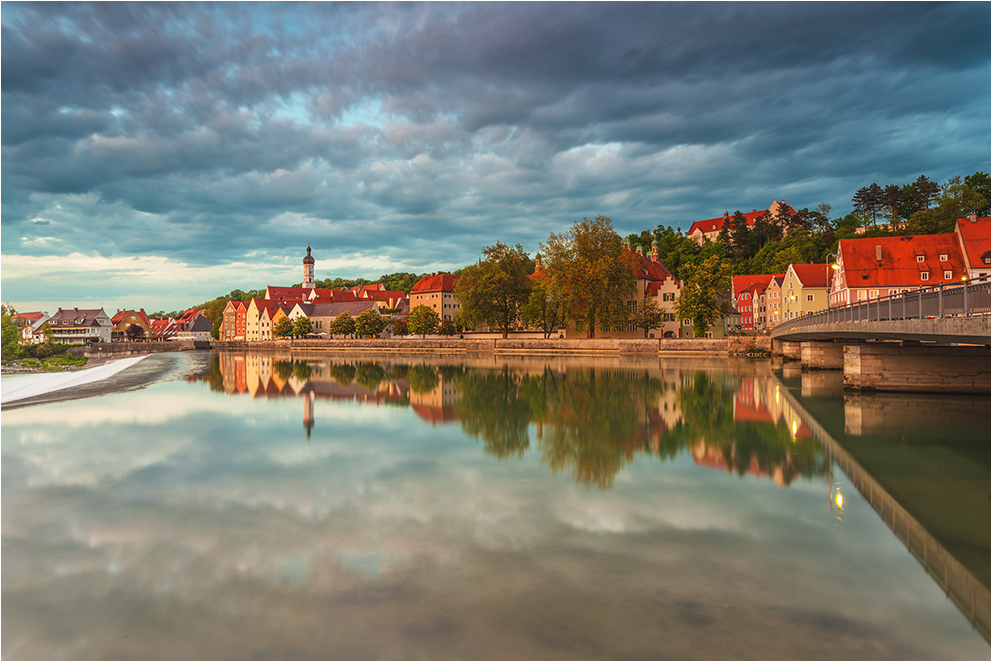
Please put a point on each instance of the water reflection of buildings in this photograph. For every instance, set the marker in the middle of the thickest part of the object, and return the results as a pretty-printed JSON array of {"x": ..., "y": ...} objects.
[{"x": 258, "y": 375}]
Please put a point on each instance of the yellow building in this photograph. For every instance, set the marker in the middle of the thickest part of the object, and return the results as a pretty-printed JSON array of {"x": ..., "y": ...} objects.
[{"x": 804, "y": 290}]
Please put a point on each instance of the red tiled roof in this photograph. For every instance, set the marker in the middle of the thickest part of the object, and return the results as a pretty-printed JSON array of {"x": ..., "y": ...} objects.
[
  {"x": 811, "y": 275},
  {"x": 645, "y": 268},
  {"x": 975, "y": 238},
  {"x": 744, "y": 282},
  {"x": 436, "y": 283},
  {"x": 899, "y": 266},
  {"x": 30, "y": 317}
]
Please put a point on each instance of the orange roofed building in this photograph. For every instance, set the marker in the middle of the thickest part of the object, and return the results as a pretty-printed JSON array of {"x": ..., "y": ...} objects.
[
  {"x": 711, "y": 227},
  {"x": 437, "y": 292},
  {"x": 973, "y": 239},
  {"x": 882, "y": 266}
]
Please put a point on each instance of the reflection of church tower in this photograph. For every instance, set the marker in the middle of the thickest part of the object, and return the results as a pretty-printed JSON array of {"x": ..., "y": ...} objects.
[
  {"x": 308, "y": 399},
  {"x": 308, "y": 261}
]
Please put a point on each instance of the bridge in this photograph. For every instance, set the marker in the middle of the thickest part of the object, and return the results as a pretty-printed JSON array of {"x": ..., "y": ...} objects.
[{"x": 943, "y": 333}]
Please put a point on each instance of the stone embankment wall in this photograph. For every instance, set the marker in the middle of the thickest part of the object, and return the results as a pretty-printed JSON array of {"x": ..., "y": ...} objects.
[
  {"x": 735, "y": 346},
  {"x": 122, "y": 349},
  {"x": 455, "y": 345}
]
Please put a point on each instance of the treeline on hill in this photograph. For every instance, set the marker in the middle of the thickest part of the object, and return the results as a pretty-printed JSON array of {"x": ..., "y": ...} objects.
[{"x": 773, "y": 243}]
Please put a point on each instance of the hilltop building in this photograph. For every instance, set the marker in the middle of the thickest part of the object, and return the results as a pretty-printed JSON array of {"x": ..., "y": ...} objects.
[{"x": 710, "y": 228}]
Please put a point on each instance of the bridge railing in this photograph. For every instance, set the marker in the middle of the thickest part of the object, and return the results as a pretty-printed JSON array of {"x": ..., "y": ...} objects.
[{"x": 967, "y": 299}]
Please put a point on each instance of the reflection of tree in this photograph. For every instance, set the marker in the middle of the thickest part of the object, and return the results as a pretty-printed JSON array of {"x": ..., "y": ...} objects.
[
  {"x": 422, "y": 378},
  {"x": 284, "y": 369},
  {"x": 491, "y": 408},
  {"x": 301, "y": 371},
  {"x": 216, "y": 378},
  {"x": 593, "y": 422},
  {"x": 343, "y": 374},
  {"x": 369, "y": 375}
]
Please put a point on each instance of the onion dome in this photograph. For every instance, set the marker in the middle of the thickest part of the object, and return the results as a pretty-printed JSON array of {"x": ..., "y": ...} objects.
[{"x": 309, "y": 258}]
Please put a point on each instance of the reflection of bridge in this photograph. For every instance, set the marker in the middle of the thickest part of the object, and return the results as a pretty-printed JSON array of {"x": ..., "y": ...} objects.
[{"x": 966, "y": 591}]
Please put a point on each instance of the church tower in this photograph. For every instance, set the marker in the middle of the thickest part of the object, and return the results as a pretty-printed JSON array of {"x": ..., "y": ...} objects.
[{"x": 308, "y": 261}]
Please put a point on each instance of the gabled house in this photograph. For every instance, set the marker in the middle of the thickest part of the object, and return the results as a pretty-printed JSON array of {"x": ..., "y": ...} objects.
[
  {"x": 30, "y": 326},
  {"x": 80, "y": 326},
  {"x": 973, "y": 240},
  {"x": 196, "y": 327},
  {"x": 747, "y": 292},
  {"x": 322, "y": 315},
  {"x": 804, "y": 290},
  {"x": 123, "y": 319},
  {"x": 232, "y": 328},
  {"x": 881, "y": 266},
  {"x": 164, "y": 328}
]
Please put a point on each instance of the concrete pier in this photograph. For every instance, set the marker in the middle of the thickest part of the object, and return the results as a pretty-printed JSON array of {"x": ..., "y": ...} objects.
[
  {"x": 929, "y": 369},
  {"x": 822, "y": 355}
]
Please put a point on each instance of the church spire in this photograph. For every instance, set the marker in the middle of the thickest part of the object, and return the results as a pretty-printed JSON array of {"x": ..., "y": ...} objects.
[{"x": 308, "y": 261}]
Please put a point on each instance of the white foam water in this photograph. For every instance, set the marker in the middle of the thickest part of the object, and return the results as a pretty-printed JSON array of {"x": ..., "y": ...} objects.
[{"x": 20, "y": 387}]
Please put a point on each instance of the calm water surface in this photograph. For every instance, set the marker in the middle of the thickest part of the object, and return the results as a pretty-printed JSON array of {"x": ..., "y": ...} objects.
[{"x": 262, "y": 506}]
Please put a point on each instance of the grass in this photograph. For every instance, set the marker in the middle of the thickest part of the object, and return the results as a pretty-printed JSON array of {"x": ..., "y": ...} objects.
[{"x": 54, "y": 363}]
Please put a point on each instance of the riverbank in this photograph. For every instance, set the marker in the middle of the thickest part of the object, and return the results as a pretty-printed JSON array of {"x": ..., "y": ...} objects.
[
  {"x": 49, "y": 364},
  {"x": 28, "y": 386}
]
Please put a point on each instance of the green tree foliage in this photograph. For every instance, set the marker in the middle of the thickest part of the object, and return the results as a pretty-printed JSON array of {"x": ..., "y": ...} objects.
[
  {"x": 491, "y": 408},
  {"x": 302, "y": 326},
  {"x": 590, "y": 272},
  {"x": 545, "y": 308},
  {"x": 699, "y": 300},
  {"x": 370, "y": 375},
  {"x": 343, "y": 324},
  {"x": 422, "y": 320},
  {"x": 423, "y": 378},
  {"x": 648, "y": 315},
  {"x": 370, "y": 323},
  {"x": 399, "y": 328},
  {"x": 492, "y": 292},
  {"x": 283, "y": 328},
  {"x": 343, "y": 374},
  {"x": 447, "y": 328},
  {"x": 10, "y": 334}
]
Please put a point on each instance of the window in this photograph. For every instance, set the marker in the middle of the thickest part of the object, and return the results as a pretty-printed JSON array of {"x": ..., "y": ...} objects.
[
  {"x": 948, "y": 275},
  {"x": 943, "y": 257},
  {"x": 921, "y": 258},
  {"x": 686, "y": 322},
  {"x": 872, "y": 294},
  {"x": 809, "y": 297},
  {"x": 924, "y": 275}
]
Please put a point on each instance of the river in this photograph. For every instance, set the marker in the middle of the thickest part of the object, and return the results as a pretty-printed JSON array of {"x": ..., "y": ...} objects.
[{"x": 253, "y": 505}]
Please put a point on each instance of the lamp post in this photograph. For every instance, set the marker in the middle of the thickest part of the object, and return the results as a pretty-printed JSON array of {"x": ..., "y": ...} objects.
[{"x": 831, "y": 260}]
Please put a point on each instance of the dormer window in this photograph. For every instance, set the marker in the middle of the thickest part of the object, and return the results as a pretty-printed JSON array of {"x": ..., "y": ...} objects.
[
  {"x": 948, "y": 275},
  {"x": 921, "y": 258},
  {"x": 924, "y": 275},
  {"x": 943, "y": 257}
]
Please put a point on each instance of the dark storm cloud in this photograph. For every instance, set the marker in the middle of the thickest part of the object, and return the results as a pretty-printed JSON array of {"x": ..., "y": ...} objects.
[{"x": 206, "y": 132}]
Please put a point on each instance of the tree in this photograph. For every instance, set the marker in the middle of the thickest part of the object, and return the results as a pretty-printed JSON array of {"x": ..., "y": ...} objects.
[
  {"x": 492, "y": 291},
  {"x": 648, "y": 315},
  {"x": 11, "y": 336},
  {"x": 399, "y": 328},
  {"x": 302, "y": 326},
  {"x": 284, "y": 327},
  {"x": 545, "y": 308},
  {"x": 134, "y": 333},
  {"x": 422, "y": 320},
  {"x": 343, "y": 324},
  {"x": 446, "y": 328},
  {"x": 868, "y": 201},
  {"x": 370, "y": 323},
  {"x": 699, "y": 299},
  {"x": 590, "y": 271}
]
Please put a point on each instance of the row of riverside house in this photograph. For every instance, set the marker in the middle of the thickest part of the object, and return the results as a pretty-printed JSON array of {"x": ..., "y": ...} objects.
[
  {"x": 865, "y": 268},
  {"x": 88, "y": 325},
  {"x": 255, "y": 320}
]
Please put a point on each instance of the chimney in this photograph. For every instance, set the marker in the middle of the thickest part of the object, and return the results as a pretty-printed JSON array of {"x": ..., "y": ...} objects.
[{"x": 878, "y": 254}]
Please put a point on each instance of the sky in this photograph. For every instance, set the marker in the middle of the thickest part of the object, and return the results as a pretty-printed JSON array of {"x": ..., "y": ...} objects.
[{"x": 159, "y": 155}]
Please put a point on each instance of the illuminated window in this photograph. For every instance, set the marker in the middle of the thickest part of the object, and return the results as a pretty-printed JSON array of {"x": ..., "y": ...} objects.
[
  {"x": 948, "y": 275},
  {"x": 943, "y": 257},
  {"x": 924, "y": 275}
]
